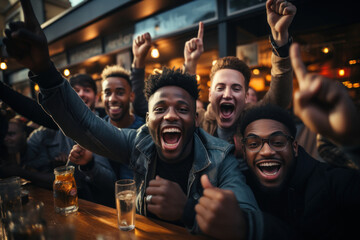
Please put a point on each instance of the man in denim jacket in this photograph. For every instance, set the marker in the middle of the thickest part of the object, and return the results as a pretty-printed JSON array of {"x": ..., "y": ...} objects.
[{"x": 168, "y": 155}]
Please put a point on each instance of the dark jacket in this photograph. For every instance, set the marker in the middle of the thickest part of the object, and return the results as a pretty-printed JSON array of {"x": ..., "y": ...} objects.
[
  {"x": 319, "y": 202},
  {"x": 212, "y": 156}
]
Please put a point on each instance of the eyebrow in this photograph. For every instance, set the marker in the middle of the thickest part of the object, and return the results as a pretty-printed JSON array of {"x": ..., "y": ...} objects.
[
  {"x": 177, "y": 102},
  {"x": 272, "y": 134}
]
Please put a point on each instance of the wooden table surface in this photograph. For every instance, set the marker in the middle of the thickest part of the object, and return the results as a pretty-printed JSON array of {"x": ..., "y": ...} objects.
[{"x": 94, "y": 221}]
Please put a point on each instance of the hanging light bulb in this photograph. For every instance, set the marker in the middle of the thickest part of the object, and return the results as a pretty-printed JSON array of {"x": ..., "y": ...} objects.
[
  {"x": 3, "y": 65},
  {"x": 66, "y": 72},
  {"x": 155, "y": 52}
]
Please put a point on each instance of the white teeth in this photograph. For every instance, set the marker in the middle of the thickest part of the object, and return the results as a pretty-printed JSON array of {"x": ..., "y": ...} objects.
[
  {"x": 269, "y": 164},
  {"x": 171, "y": 130},
  {"x": 114, "y": 107},
  {"x": 270, "y": 174},
  {"x": 170, "y": 144}
]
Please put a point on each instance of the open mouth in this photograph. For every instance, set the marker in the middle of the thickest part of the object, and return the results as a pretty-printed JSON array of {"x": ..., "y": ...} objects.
[
  {"x": 269, "y": 169},
  {"x": 170, "y": 138},
  {"x": 226, "y": 110},
  {"x": 115, "y": 109}
]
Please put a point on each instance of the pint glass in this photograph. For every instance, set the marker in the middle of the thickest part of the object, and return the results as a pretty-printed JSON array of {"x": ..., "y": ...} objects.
[
  {"x": 65, "y": 191},
  {"x": 125, "y": 195}
]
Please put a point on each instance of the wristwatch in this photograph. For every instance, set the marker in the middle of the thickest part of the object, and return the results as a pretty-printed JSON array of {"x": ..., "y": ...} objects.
[{"x": 282, "y": 51}]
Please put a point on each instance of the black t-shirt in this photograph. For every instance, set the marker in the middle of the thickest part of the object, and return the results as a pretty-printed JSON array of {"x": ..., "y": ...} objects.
[{"x": 175, "y": 172}]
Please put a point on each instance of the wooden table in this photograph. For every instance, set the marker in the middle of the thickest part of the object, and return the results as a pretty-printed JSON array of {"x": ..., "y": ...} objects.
[{"x": 95, "y": 221}]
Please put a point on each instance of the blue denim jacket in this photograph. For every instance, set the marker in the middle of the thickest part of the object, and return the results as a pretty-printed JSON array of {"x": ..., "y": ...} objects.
[{"x": 212, "y": 156}]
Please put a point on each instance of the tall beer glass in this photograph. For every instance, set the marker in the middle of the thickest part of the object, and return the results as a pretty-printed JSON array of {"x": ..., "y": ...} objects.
[{"x": 125, "y": 195}]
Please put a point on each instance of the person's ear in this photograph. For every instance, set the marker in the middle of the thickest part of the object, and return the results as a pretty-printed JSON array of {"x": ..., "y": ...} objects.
[
  {"x": 197, "y": 124},
  {"x": 132, "y": 96},
  {"x": 209, "y": 94},
  {"x": 147, "y": 118},
  {"x": 295, "y": 147}
]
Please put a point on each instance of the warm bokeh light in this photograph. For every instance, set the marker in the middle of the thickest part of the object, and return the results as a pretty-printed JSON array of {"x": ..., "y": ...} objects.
[
  {"x": 214, "y": 62},
  {"x": 3, "y": 65},
  {"x": 66, "y": 72},
  {"x": 341, "y": 72},
  {"x": 257, "y": 83},
  {"x": 268, "y": 77},
  {"x": 350, "y": 85},
  {"x": 352, "y": 62},
  {"x": 155, "y": 53},
  {"x": 356, "y": 85},
  {"x": 325, "y": 50},
  {"x": 208, "y": 84},
  {"x": 256, "y": 71},
  {"x": 156, "y": 70},
  {"x": 198, "y": 78},
  {"x": 36, "y": 87}
]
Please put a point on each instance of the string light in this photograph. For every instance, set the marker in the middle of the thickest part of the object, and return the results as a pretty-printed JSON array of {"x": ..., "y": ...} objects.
[
  {"x": 155, "y": 52},
  {"x": 66, "y": 72},
  {"x": 3, "y": 65}
]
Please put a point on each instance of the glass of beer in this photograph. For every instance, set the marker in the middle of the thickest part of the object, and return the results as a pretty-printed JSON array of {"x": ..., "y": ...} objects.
[
  {"x": 125, "y": 195},
  {"x": 65, "y": 191}
]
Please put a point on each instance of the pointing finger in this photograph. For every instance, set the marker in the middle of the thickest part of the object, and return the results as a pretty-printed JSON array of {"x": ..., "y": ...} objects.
[
  {"x": 298, "y": 65},
  {"x": 201, "y": 30},
  {"x": 29, "y": 15}
]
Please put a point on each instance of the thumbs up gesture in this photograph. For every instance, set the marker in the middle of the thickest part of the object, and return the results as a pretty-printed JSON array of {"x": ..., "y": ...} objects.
[
  {"x": 218, "y": 213},
  {"x": 26, "y": 41}
]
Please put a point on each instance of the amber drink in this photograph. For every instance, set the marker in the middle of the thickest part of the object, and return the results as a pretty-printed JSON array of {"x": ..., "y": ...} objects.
[{"x": 65, "y": 191}]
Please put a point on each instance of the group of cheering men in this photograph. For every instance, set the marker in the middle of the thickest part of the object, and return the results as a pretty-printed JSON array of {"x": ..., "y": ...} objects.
[{"x": 231, "y": 171}]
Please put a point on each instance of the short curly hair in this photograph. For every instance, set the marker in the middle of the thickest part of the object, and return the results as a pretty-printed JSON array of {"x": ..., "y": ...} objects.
[
  {"x": 234, "y": 63},
  {"x": 171, "y": 77},
  {"x": 116, "y": 71}
]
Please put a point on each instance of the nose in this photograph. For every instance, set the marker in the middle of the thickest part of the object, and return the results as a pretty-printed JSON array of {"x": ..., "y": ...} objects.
[
  {"x": 81, "y": 93},
  {"x": 227, "y": 93},
  {"x": 266, "y": 150},
  {"x": 171, "y": 115},
  {"x": 111, "y": 98}
]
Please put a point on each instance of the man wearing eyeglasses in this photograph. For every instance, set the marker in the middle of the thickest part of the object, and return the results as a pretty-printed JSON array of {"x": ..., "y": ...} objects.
[{"x": 299, "y": 196}]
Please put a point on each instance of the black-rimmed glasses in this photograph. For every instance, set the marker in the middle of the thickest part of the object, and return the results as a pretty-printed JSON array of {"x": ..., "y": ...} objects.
[{"x": 277, "y": 142}]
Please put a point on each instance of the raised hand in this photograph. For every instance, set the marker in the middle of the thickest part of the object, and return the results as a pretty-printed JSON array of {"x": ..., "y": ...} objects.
[
  {"x": 26, "y": 42},
  {"x": 168, "y": 199},
  {"x": 218, "y": 213},
  {"x": 141, "y": 46},
  {"x": 80, "y": 155},
  {"x": 280, "y": 14},
  {"x": 193, "y": 50},
  {"x": 323, "y": 104}
]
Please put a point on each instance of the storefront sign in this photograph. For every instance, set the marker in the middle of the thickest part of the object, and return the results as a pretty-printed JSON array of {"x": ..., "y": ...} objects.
[
  {"x": 85, "y": 51},
  {"x": 119, "y": 40},
  {"x": 178, "y": 18}
]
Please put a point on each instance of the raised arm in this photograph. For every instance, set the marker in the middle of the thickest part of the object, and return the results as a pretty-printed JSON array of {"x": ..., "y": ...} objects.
[
  {"x": 58, "y": 98},
  {"x": 140, "y": 48},
  {"x": 324, "y": 105},
  {"x": 193, "y": 50},
  {"x": 280, "y": 14},
  {"x": 26, "y": 107}
]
